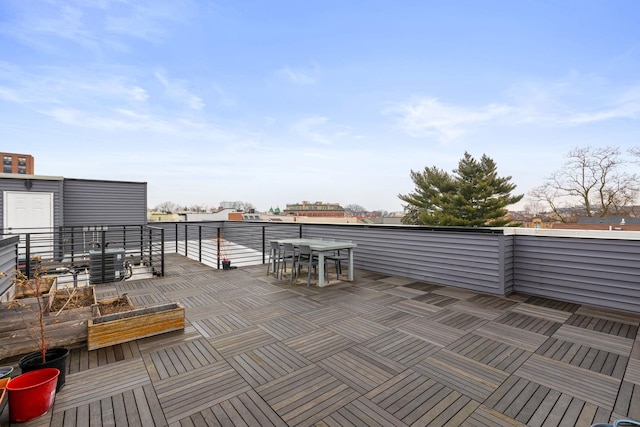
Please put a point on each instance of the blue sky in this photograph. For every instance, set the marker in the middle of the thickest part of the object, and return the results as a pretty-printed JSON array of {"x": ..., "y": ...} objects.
[{"x": 276, "y": 102}]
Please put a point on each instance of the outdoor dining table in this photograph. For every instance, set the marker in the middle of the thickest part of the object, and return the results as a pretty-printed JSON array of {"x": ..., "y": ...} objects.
[{"x": 322, "y": 247}]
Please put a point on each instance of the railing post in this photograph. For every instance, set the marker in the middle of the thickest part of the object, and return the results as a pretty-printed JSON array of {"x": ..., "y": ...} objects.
[
  {"x": 103, "y": 247},
  {"x": 300, "y": 232},
  {"x": 162, "y": 252},
  {"x": 186, "y": 240},
  {"x": 218, "y": 246},
  {"x": 176, "y": 237},
  {"x": 199, "y": 243},
  {"x": 264, "y": 244},
  {"x": 142, "y": 243},
  {"x": 27, "y": 261}
]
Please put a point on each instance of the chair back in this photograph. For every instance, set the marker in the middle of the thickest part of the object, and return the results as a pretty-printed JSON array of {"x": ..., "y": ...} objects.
[
  {"x": 305, "y": 250},
  {"x": 275, "y": 245}
]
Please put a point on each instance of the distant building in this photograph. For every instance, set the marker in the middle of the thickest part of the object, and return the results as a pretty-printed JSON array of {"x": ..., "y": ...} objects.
[
  {"x": 317, "y": 209},
  {"x": 17, "y": 163}
]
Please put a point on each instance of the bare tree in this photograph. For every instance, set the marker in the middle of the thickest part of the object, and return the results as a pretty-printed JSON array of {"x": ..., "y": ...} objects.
[
  {"x": 198, "y": 208},
  {"x": 167, "y": 207},
  {"x": 593, "y": 182},
  {"x": 355, "y": 210}
]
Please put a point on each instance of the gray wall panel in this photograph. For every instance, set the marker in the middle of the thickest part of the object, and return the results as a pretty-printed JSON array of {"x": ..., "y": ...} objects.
[
  {"x": 594, "y": 271},
  {"x": 8, "y": 264},
  {"x": 91, "y": 202}
]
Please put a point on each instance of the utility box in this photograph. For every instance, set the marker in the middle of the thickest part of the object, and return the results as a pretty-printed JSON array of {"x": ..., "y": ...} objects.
[{"x": 113, "y": 265}]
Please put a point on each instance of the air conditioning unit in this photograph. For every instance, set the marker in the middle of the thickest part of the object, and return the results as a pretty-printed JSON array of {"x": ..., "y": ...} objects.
[{"x": 113, "y": 265}]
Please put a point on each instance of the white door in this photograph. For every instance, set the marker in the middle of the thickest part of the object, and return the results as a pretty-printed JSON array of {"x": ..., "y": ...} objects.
[{"x": 30, "y": 212}]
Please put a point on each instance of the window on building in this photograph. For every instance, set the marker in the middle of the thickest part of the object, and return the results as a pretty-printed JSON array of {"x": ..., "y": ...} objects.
[
  {"x": 22, "y": 169},
  {"x": 7, "y": 169},
  {"x": 8, "y": 160},
  {"x": 22, "y": 161}
]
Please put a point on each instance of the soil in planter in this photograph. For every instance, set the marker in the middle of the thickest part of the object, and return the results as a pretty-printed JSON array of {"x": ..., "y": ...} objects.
[
  {"x": 115, "y": 306},
  {"x": 77, "y": 299}
]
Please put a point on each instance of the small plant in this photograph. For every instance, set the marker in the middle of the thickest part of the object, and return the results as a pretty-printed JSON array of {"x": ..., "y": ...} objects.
[{"x": 38, "y": 287}]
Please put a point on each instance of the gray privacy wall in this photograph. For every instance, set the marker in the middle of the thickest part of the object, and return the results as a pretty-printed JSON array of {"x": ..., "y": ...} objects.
[
  {"x": 597, "y": 268},
  {"x": 8, "y": 263},
  {"x": 95, "y": 202}
]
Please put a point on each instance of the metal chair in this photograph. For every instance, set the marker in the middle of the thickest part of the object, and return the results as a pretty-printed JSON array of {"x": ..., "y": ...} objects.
[
  {"x": 275, "y": 256},
  {"x": 306, "y": 257},
  {"x": 338, "y": 258},
  {"x": 288, "y": 253}
]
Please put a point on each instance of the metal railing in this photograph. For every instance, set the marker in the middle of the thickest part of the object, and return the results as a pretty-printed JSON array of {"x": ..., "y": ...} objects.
[{"x": 71, "y": 249}]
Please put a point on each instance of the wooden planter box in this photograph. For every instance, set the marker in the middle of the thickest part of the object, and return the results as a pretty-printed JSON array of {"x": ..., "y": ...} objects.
[{"x": 117, "y": 328}]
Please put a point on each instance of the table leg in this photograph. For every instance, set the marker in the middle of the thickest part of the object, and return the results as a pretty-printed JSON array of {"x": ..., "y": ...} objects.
[
  {"x": 320, "y": 269},
  {"x": 351, "y": 264}
]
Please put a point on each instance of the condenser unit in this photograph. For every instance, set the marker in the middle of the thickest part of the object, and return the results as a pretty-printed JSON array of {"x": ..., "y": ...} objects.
[{"x": 113, "y": 265}]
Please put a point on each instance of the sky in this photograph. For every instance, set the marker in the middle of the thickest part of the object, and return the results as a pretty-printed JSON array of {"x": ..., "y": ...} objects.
[{"x": 282, "y": 101}]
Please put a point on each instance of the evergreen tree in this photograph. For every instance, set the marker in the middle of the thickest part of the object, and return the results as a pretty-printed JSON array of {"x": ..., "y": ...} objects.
[{"x": 473, "y": 195}]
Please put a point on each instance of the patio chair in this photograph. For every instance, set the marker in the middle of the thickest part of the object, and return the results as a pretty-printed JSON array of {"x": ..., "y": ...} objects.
[
  {"x": 338, "y": 258},
  {"x": 275, "y": 256},
  {"x": 307, "y": 257},
  {"x": 288, "y": 253}
]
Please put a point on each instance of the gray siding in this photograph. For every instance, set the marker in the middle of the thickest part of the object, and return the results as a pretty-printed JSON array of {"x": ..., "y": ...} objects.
[
  {"x": 54, "y": 186},
  {"x": 469, "y": 259},
  {"x": 602, "y": 272},
  {"x": 91, "y": 202},
  {"x": 8, "y": 262}
]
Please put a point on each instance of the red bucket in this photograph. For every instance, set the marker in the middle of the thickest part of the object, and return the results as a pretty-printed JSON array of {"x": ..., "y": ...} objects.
[{"x": 32, "y": 394}]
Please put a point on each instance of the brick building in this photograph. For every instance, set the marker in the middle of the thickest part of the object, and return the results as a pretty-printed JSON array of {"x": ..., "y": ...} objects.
[{"x": 17, "y": 163}]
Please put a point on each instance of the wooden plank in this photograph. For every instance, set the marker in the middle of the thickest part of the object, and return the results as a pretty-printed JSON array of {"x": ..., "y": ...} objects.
[{"x": 578, "y": 382}]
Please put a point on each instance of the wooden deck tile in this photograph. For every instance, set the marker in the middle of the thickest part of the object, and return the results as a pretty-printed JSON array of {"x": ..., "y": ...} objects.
[
  {"x": 175, "y": 360},
  {"x": 326, "y": 315},
  {"x": 529, "y": 323},
  {"x": 432, "y": 332},
  {"x": 319, "y": 344},
  {"x": 471, "y": 378},
  {"x": 242, "y": 340},
  {"x": 418, "y": 400},
  {"x": 220, "y": 324},
  {"x": 286, "y": 327},
  {"x": 306, "y": 396},
  {"x": 357, "y": 329},
  {"x": 196, "y": 390},
  {"x": 455, "y": 319},
  {"x": 487, "y": 417},
  {"x": 268, "y": 363},
  {"x": 589, "y": 386},
  {"x": 599, "y": 340},
  {"x": 361, "y": 412},
  {"x": 402, "y": 348},
  {"x": 475, "y": 309},
  {"x": 417, "y": 308},
  {"x": 298, "y": 304},
  {"x": 360, "y": 368},
  {"x": 405, "y": 292},
  {"x": 511, "y": 335},
  {"x": 246, "y": 409},
  {"x": 586, "y": 357},
  {"x": 101, "y": 382},
  {"x": 388, "y": 316},
  {"x": 490, "y": 352},
  {"x": 542, "y": 312}
]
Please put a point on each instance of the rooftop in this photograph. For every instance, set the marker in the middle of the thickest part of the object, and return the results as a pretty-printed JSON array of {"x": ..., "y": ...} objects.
[{"x": 381, "y": 350}]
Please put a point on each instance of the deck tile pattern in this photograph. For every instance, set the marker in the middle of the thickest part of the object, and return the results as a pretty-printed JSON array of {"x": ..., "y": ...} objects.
[{"x": 381, "y": 351}]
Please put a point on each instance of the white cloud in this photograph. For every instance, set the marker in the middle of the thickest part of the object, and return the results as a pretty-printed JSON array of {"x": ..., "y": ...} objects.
[
  {"x": 299, "y": 76},
  {"x": 421, "y": 117},
  {"x": 176, "y": 89},
  {"x": 310, "y": 128}
]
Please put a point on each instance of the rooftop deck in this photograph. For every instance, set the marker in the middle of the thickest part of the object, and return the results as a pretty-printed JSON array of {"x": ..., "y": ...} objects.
[{"x": 382, "y": 350}]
